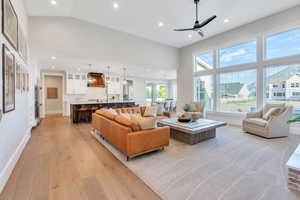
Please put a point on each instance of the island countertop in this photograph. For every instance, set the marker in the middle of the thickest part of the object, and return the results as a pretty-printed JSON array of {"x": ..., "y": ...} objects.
[
  {"x": 95, "y": 102},
  {"x": 81, "y": 111}
]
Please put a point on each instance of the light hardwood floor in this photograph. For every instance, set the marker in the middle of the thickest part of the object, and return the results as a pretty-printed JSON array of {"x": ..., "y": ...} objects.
[{"x": 63, "y": 161}]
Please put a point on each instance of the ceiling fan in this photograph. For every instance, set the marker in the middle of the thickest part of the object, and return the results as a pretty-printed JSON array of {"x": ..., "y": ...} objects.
[{"x": 197, "y": 27}]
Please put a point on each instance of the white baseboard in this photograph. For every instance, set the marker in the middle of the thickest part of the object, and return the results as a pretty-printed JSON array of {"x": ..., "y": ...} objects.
[{"x": 9, "y": 167}]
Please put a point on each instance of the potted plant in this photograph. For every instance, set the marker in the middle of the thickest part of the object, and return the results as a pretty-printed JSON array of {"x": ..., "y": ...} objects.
[
  {"x": 297, "y": 119},
  {"x": 187, "y": 107}
]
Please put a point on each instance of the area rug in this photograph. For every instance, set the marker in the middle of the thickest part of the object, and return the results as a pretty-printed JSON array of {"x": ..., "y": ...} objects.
[{"x": 233, "y": 166}]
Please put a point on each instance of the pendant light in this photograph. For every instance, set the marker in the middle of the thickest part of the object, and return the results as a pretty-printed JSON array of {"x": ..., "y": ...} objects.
[
  {"x": 108, "y": 75},
  {"x": 124, "y": 77}
]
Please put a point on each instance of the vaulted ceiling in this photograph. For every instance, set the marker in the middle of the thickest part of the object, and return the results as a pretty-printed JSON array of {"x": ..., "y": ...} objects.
[{"x": 141, "y": 17}]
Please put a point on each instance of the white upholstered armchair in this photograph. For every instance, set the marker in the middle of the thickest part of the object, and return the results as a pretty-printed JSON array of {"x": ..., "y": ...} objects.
[
  {"x": 272, "y": 126},
  {"x": 199, "y": 108}
]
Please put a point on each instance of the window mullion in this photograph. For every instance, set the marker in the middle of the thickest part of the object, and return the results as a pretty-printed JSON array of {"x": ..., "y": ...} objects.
[{"x": 260, "y": 73}]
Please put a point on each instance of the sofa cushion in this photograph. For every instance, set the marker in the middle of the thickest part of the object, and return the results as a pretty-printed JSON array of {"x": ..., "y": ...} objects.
[
  {"x": 257, "y": 121},
  {"x": 151, "y": 111},
  {"x": 145, "y": 123},
  {"x": 272, "y": 112},
  {"x": 268, "y": 106},
  {"x": 106, "y": 114},
  {"x": 127, "y": 122}
]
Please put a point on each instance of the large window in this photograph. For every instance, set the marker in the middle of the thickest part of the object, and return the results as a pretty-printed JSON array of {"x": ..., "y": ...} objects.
[
  {"x": 239, "y": 54},
  {"x": 156, "y": 92},
  {"x": 286, "y": 78},
  {"x": 247, "y": 75},
  {"x": 204, "y": 90},
  {"x": 237, "y": 91},
  {"x": 204, "y": 62},
  {"x": 283, "y": 44}
]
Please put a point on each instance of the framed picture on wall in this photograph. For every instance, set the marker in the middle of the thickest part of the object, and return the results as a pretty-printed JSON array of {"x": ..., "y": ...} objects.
[
  {"x": 10, "y": 23},
  {"x": 18, "y": 76},
  {"x": 27, "y": 81},
  {"x": 23, "y": 79},
  {"x": 8, "y": 76},
  {"x": 22, "y": 44}
]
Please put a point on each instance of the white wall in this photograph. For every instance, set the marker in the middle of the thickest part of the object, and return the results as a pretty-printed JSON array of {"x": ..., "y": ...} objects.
[
  {"x": 272, "y": 24},
  {"x": 13, "y": 138},
  {"x": 75, "y": 43}
]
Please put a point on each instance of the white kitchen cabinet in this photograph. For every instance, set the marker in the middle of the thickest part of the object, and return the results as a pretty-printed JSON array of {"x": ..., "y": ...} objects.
[
  {"x": 76, "y": 83},
  {"x": 114, "y": 86}
]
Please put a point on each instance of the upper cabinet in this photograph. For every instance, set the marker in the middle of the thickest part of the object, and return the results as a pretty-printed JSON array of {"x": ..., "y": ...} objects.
[
  {"x": 76, "y": 83},
  {"x": 114, "y": 87}
]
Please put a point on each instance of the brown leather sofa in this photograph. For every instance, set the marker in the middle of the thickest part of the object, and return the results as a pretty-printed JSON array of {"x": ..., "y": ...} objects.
[{"x": 126, "y": 135}]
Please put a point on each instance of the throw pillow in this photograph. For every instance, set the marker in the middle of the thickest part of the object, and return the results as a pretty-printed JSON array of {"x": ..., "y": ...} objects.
[
  {"x": 127, "y": 115},
  {"x": 193, "y": 107},
  {"x": 268, "y": 106},
  {"x": 128, "y": 122},
  {"x": 271, "y": 112},
  {"x": 112, "y": 111},
  {"x": 151, "y": 111},
  {"x": 145, "y": 123}
]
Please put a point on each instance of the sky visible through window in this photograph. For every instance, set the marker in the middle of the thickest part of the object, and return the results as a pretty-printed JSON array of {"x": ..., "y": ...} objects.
[
  {"x": 283, "y": 44},
  {"x": 207, "y": 58},
  {"x": 239, "y": 54}
]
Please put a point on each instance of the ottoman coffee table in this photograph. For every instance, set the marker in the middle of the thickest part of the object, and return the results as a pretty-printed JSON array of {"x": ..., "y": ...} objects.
[{"x": 191, "y": 132}]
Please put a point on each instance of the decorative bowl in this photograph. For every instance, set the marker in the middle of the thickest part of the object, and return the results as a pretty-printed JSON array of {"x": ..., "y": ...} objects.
[{"x": 185, "y": 120}]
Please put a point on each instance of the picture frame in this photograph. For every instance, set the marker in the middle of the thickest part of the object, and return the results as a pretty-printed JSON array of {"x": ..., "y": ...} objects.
[
  {"x": 23, "y": 79},
  {"x": 22, "y": 44},
  {"x": 18, "y": 76},
  {"x": 27, "y": 81},
  {"x": 10, "y": 23},
  {"x": 8, "y": 77}
]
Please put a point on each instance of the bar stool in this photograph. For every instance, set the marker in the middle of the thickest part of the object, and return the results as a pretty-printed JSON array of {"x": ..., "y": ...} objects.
[
  {"x": 82, "y": 114},
  {"x": 90, "y": 112}
]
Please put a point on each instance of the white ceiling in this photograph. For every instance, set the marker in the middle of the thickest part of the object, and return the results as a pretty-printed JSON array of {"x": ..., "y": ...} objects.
[{"x": 140, "y": 17}]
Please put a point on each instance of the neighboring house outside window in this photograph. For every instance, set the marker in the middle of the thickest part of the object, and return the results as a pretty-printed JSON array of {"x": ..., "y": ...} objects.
[{"x": 280, "y": 92}]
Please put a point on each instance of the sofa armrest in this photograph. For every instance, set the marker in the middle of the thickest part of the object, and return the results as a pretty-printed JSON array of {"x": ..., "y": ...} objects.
[
  {"x": 147, "y": 140},
  {"x": 254, "y": 115},
  {"x": 278, "y": 125}
]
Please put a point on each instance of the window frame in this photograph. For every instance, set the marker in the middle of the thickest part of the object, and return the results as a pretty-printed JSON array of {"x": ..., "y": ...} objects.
[
  {"x": 218, "y": 91},
  {"x": 273, "y": 33},
  {"x": 213, "y": 93},
  {"x": 203, "y": 53},
  {"x": 234, "y": 45}
]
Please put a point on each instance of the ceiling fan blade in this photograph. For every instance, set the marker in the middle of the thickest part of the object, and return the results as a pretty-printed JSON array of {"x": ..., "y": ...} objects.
[
  {"x": 207, "y": 21},
  {"x": 200, "y": 33},
  {"x": 184, "y": 29}
]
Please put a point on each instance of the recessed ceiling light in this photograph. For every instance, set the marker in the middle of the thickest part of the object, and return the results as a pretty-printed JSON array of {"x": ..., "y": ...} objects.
[
  {"x": 160, "y": 24},
  {"x": 115, "y": 5},
  {"x": 190, "y": 35},
  {"x": 53, "y": 57},
  {"x": 226, "y": 20},
  {"x": 53, "y": 2}
]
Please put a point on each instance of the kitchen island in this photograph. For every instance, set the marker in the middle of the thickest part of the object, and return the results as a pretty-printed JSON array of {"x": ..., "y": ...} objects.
[{"x": 82, "y": 111}]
